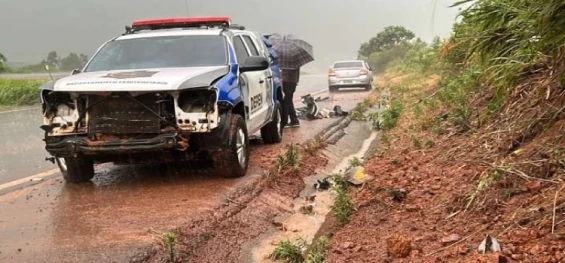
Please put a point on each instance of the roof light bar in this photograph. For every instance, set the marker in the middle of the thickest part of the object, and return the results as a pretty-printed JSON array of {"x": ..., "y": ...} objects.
[{"x": 181, "y": 22}]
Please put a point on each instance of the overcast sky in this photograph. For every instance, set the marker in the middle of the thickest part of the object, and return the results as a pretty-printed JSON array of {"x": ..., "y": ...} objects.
[{"x": 31, "y": 28}]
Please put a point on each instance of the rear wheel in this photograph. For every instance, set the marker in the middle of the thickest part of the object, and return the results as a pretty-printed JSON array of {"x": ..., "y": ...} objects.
[
  {"x": 234, "y": 161},
  {"x": 272, "y": 132},
  {"x": 76, "y": 169}
]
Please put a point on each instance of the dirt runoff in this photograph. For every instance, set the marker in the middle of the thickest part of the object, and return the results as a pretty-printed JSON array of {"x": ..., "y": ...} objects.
[
  {"x": 218, "y": 236},
  {"x": 437, "y": 196}
]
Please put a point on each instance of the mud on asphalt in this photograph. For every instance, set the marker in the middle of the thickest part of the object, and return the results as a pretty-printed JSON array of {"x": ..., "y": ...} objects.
[
  {"x": 122, "y": 216},
  {"x": 249, "y": 212}
]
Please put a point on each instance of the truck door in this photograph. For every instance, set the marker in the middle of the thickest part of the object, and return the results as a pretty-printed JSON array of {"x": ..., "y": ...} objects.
[{"x": 256, "y": 82}]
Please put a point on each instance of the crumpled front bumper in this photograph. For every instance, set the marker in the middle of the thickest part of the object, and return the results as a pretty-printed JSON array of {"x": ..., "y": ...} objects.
[{"x": 72, "y": 146}]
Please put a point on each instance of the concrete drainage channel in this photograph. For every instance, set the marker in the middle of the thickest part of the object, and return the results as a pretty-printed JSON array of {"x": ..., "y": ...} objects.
[{"x": 346, "y": 140}]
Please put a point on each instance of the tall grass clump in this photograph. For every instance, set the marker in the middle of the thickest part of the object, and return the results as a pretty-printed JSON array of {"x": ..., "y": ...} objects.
[
  {"x": 511, "y": 39},
  {"x": 343, "y": 205},
  {"x": 19, "y": 92},
  {"x": 289, "y": 252},
  {"x": 391, "y": 115}
]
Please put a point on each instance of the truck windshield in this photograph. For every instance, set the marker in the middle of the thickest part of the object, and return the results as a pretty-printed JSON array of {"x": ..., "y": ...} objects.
[{"x": 160, "y": 52}]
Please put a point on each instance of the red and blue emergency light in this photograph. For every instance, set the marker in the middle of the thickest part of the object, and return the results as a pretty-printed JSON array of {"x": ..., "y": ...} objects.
[{"x": 182, "y": 22}]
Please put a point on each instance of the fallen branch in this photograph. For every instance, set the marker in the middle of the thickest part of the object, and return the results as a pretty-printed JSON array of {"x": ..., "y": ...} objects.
[
  {"x": 424, "y": 99},
  {"x": 555, "y": 206},
  {"x": 514, "y": 171},
  {"x": 456, "y": 243}
]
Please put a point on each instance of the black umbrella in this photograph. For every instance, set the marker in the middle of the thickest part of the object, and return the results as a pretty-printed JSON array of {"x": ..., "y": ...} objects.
[{"x": 293, "y": 53}]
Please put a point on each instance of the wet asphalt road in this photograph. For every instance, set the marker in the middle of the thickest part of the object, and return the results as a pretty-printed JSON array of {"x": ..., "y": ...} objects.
[{"x": 120, "y": 211}]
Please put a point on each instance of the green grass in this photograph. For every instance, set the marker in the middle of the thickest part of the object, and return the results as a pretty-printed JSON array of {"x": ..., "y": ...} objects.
[
  {"x": 317, "y": 251},
  {"x": 293, "y": 158},
  {"x": 355, "y": 162},
  {"x": 289, "y": 252},
  {"x": 170, "y": 245},
  {"x": 342, "y": 206},
  {"x": 391, "y": 115},
  {"x": 19, "y": 92}
]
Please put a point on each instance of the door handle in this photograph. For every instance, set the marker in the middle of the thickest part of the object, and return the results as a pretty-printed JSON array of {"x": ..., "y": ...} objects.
[{"x": 261, "y": 81}]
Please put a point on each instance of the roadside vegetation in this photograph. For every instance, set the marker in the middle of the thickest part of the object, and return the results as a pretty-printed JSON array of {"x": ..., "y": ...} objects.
[
  {"x": 473, "y": 137},
  {"x": 300, "y": 251},
  {"x": 19, "y": 92},
  {"x": 342, "y": 206},
  {"x": 23, "y": 92},
  {"x": 52, "y": 62}
]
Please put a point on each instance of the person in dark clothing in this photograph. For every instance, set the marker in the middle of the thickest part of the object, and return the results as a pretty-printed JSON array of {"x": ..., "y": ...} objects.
[{"x": 290, "y": 78}]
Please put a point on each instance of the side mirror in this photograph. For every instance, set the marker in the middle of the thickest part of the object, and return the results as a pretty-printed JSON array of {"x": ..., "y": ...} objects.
[
  {"x": 254, "y": 63},
  {"x": 75, "y": 71}
]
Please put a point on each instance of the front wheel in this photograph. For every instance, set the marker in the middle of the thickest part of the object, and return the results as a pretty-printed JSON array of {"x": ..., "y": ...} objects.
[
  {"x": 234, "y": 161},
  {"x": 272, "y": 132},
  {"x": 76, "y": 169},
  {"x": 333, "y": 89}
]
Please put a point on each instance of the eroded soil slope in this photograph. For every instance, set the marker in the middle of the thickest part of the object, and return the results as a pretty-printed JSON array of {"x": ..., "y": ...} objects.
[{"x": 440, "y": 190}]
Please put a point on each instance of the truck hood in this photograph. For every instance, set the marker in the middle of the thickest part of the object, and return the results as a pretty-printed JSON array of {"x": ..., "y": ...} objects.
[{"x": 162, "y": 79}]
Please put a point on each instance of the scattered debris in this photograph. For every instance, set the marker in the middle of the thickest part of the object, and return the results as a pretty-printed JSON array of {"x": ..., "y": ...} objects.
[
  {"x": 324, "y": 184},
  {"x": 489, "y": 244},
  {"x": 357, "y": 176},
  {"x": 313, "y": 112}
]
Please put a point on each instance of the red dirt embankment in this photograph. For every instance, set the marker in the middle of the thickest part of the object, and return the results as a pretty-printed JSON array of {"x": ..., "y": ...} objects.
[{"x": 437, "y": 196}]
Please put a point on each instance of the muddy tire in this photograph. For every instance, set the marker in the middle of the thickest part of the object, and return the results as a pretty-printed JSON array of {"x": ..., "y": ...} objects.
[
  {"x": 272, "y": 132},
  {"x": 368, "y": 87},
  {"x": 76, "y": 170},
  {"x": 334, "y": 89},
  {"x": 234, "y": 161}
]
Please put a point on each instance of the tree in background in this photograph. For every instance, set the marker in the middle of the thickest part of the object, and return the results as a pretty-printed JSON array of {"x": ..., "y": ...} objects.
[
  {"x": 73, "y": 61},
  {"x": 3, "y": 63},
  {"x": 53, "y": 59},
  {"x": 83, "y": 58},
  {"x": 389, "y": 38}
]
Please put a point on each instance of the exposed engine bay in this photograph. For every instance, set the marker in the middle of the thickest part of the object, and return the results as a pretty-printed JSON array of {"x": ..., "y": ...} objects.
[{"x": 129, "y": 113}]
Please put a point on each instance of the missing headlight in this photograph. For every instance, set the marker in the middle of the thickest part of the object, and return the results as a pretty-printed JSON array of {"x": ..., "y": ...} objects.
[
  {"x": 61, "y": 111},
  {"x": 202, "y": 100}
]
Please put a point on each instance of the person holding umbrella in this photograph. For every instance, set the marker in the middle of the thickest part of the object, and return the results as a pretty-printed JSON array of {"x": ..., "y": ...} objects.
[
  {"x": 293, "y": 53},
  {"x": 290, "y": 79}
]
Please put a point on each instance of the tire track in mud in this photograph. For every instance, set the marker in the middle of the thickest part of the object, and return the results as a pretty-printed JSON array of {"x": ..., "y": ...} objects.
[{"x": 218, "y": 236}]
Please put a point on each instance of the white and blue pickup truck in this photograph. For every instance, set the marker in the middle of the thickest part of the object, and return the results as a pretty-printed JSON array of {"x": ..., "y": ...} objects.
[{"x": 167, "y": 90}]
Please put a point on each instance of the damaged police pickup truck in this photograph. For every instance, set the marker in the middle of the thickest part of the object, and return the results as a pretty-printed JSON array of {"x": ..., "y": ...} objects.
[{"x": 167, "y": 90}]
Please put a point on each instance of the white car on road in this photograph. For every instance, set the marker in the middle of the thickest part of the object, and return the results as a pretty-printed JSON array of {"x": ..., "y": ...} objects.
[{"x": 350, "y": 74}]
